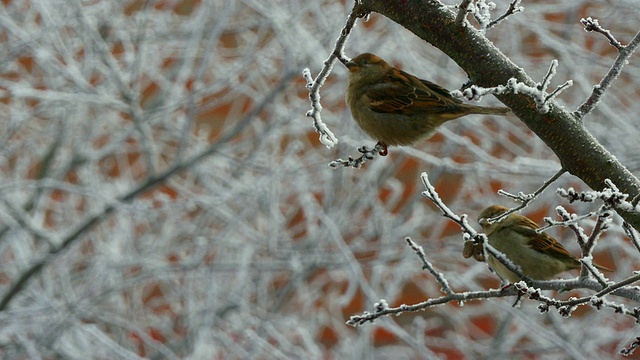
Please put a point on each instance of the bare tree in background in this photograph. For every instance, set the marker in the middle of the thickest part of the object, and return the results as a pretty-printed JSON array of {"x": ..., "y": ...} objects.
[{"x": 163, "y": 195}]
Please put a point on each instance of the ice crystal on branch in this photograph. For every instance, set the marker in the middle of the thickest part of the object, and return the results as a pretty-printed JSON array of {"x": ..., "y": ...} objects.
[{"x": 611, "y": 196}]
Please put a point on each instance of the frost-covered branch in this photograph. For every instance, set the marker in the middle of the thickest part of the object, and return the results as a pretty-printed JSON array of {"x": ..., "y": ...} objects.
[
  {"x": 603, "y": 222},
  {"x": 632, "y": 234},
  {"x": 566, "y": 307},
  {"x": 593, "y": 25},
  {"x": 532, "y": 290},
  {"x": 538, "y": 93},
  {"x": 513, "y": 8},
  {"x": 624, "y": 53},
  {"x": 631, "y": 348},
  {"x": 475, "y": 92},
  {"x": 313, "y": 85},
  {"x": 357, "y": 320},
  {"x": 525, "y": 199},
  {"x": 612, "y": 197},
  {"x": 481, "y": 11},
  {"x": 367, "y": 154},
  {"x": 426, "y": 265}
]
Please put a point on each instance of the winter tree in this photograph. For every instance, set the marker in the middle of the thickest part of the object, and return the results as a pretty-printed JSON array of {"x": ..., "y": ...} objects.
[{"x": 164, "y": 195}]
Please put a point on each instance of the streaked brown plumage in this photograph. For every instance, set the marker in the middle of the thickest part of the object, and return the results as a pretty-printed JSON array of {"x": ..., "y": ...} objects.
[{"x": 397, "y": 108}]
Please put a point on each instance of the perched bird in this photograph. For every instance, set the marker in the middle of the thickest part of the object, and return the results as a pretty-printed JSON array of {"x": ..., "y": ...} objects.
[
  {"x": 397, "y": 108},
  {"x": 539, "y": 255}
]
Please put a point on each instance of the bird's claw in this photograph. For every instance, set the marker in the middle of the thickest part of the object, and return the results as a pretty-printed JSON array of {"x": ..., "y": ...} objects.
[{"x": 384, "y": 151}]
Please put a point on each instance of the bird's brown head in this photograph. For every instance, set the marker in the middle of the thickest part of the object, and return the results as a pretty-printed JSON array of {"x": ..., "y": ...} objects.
[
  {"x": 488, "y": 213},
  {"x": 367, "y": 67}
]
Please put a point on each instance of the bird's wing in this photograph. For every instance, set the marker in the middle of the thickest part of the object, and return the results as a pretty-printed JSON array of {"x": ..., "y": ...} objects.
[
  {"x": 542, "y": 242},
  {"x": 403, "y": 93}
]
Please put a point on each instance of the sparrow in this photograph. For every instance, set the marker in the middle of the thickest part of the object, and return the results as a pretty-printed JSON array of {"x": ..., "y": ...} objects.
[
  {"x": 397, "y": 108},
  {"x": 539, "y": 256}
]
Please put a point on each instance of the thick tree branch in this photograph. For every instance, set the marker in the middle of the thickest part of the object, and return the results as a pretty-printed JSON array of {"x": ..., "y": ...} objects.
[{"x": 579, "y": 152}]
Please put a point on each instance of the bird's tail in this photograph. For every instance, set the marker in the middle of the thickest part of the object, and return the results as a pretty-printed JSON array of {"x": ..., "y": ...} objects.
[
  {"x": 603, "y": 268},
  {"x": 489, "y": 110}
]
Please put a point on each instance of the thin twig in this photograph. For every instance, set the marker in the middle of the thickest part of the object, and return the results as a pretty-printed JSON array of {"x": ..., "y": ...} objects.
[
  {"x": 539, "y": 93},
  {"x": 593, "y": 25},
  {"x": 513, "y": 8},
  {"x": 326, "y": 136},
  {"x": 624, "y": 53},
  {"x": 633, "y": 235},
  {"x": 525, "y": 199},
  {"x": 357, "y": 320},
  {"x": 356, "y": 163},
  {"x": 426, "y": 265},
  {"x": 596, "y": 300},
  {"x": 558, "y": 90}
]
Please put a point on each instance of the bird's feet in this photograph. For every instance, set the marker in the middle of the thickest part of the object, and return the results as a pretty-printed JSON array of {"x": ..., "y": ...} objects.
[{"x": 384, "y": 151}]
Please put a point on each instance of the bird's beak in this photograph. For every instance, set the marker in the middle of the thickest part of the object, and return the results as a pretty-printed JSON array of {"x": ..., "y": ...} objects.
[
  {"x": 352, "y": 66},
  {"x": 483, "y": 222}
]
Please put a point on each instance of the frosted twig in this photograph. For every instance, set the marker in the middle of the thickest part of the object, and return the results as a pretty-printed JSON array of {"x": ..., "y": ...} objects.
[
  {"x": 558, "y": 90},
  {"x": 539, "y": 92},
  {"x": 566, "y": 307},
  {"x": 513, "y": 8},
  {"x": 602, "y": 224},
  {"x": 567, "y": 221},
  {"x": 525, "y": 199},
  {"x": 532, "y": 291},
  {"x": 593, "y": 25},
  {"x": 571, "y": 221},
  {"x": 357, "y": 320},
  {"x": 624, "y": 53},
  {"x": 367, "y": 154},
  {"x": 611, "y": 196},
  {"x": 326, "y": 136},
  {"x": 631, "y": 348},
  {"x": 587, "y": 265},
  {"x": 426, "y": 265},
  {"x": 632, "y": 234},
  {"x": 475, "y": 92},
  {"x": 481, "y": 11}
]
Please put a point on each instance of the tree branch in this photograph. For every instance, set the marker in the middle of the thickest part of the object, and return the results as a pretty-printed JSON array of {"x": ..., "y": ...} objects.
[{"x": 578, "y": 151}]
